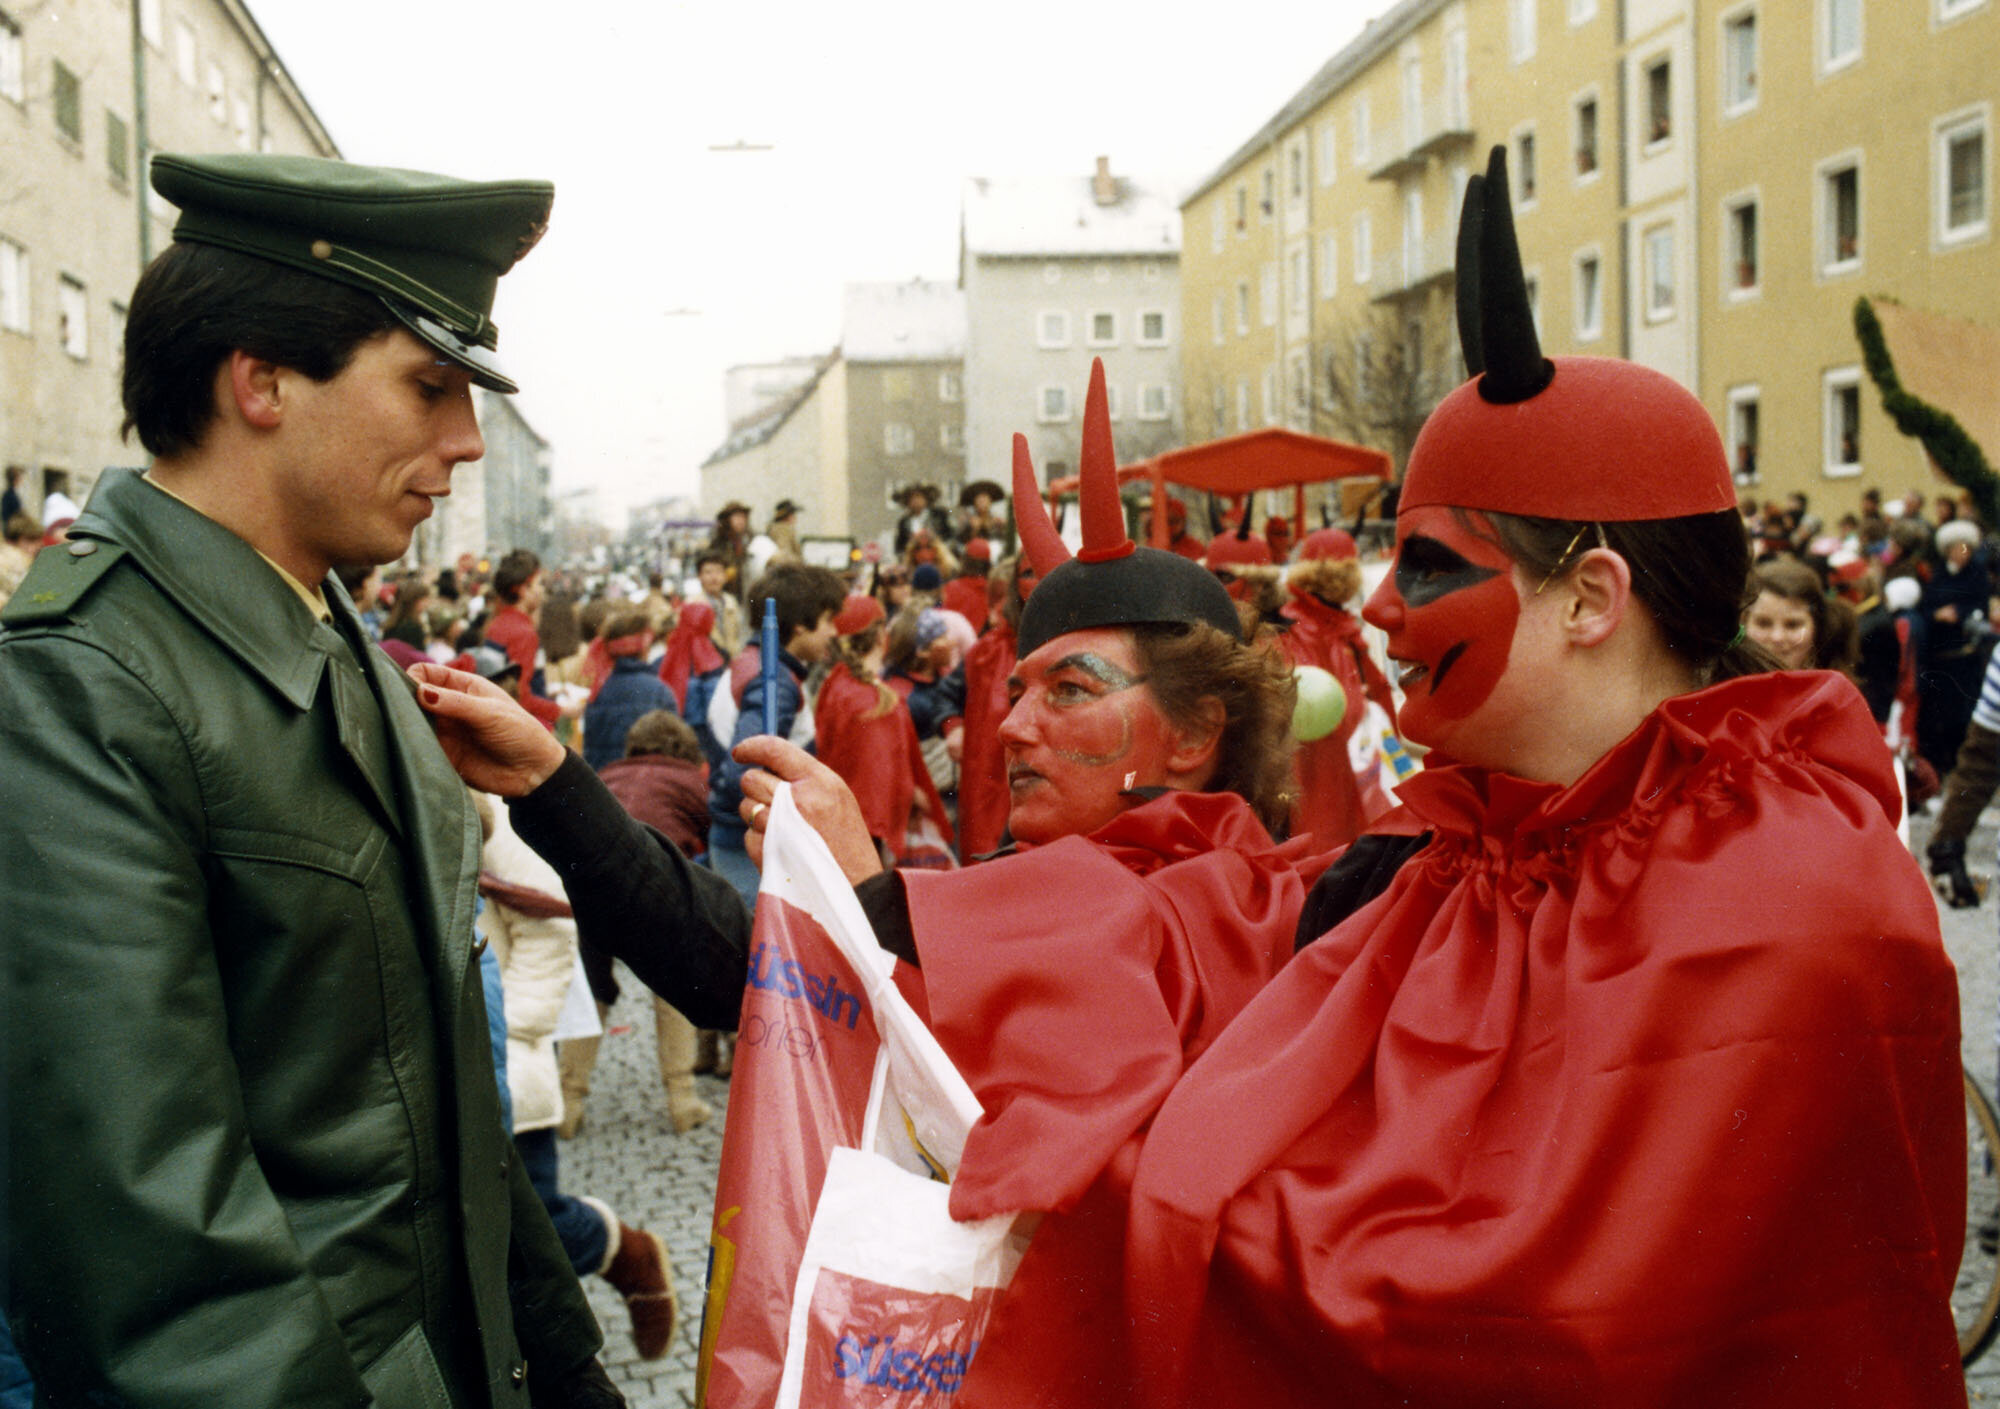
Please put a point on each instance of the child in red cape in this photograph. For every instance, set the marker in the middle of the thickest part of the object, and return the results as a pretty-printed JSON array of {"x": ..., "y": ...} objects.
[{"x": 1631, "y": 1078}]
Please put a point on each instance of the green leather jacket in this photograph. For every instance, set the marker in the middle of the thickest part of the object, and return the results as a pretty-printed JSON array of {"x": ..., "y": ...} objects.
[{"x": 253, "y": 1145}]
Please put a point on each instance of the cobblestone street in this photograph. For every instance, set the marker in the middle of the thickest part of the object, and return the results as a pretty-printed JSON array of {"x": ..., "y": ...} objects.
[{"x": 629, "y": 1156}]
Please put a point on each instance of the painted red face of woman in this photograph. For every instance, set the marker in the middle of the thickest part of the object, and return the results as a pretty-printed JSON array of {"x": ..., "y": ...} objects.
[
  {"x": 1083, "y": 729},
  {"x": 1449, "y": 610}
]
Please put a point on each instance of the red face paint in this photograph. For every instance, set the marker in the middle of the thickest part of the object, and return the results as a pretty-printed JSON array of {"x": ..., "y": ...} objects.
[
  {"x": 1449, "y": 610},
  {"x": 1083, "y": 730}
]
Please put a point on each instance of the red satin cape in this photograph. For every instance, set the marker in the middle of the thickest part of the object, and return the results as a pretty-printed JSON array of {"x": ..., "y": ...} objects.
[
  {"x": 876, "y": 755},
  {"x": 983, "y": 797}
]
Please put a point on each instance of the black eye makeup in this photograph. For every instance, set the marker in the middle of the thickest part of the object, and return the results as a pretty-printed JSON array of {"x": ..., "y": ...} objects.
[{"x": 1427, "y": 570}]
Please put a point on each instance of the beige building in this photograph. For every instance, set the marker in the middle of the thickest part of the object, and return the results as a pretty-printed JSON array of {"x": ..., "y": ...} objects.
[
  {"x": 1701, "y": 187},
  {"x": 88, "y": 90}
]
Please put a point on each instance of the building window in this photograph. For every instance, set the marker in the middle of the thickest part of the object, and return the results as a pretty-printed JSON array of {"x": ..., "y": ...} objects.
[
  {"x": 239, "y": 108},
  {"x": 1218, "y": 408},
  {"x": 1103, "y": 329},
  {"x": 1364, "y": 361},
  {"x": 1299, "y": 272},
  {"x": 1329, "y": 166},
  {"x": 951, "y": 438},
  {"x": 1582, "y": 11},
  {"x": 1242, "y": 306},
  {"x": 1742, "y": 429},
  {"x": 898, "y": 438},
  {"x": 1364, "y": 254},
  {"x": 1740, "y": 226},
  {"x": 218, "y": 93},
  {"x": 1267, "y": 294},
  {"x": 1840, "y": 215},
  {"x": 1242, "y": 405},
  {"x": 1219, "y": 319},
  {"x": 1952, "y": 9},
  {"x": 1839, "y": 33},
  {"x": 1521, "y": 29},
  {"x": 951, "y": 387},
  {"x": 1156, "y": 401},
  {"x": 1295, "y": 167},
  {"x": 1152, "y": 327},
  {"x": 73, "y": 317},
  {"x": 13, "y": 61},
  {"x": 1218, "y": 225},
  {"x": 13, "y": 287},
  {"x": 1585, "y": 125},
  {"x": 1269, "y": 392},
  {"x": 117, "y": 148},
  {"x": 1524, "y": 166},
  {"x": 1329, "y": 265},
  {"x": 1052, "y": 328},
  {"x": 150, "y": 22},
  {"x": 1242, "y": 208},
  {"x": 1739, "y": 61},
  {"x": 1113, "y": 408},
  {"x": 1053, "y": 404},
  {"x": 184, "y": 54},
  {"x": 1299, "y": 382},
  {"x": 1267, "y": 198},
  {"x": 68, "y": 96},
  {"x": 1841, "y": 401},
  {"x": 1961, "y": 178},
  {"x": 1589, "y": 296},
  {"x": 1361, "y": 138},
  {"x": 1659, "y": 102},
  {"x": 898, "y": 384},
  {"x": 1658, "y": 247},
  {"x": 1533, "y": 282}
]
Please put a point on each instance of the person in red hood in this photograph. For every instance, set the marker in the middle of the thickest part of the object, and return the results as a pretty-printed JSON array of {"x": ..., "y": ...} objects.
[
  {"x": 1278, "y": 538},
  {"x": 1623, "y": 1069},
  {"x": 984, "y": 797},
  {"x": 1179, "y": 540},
  {"x": 1331, "y": 802}
]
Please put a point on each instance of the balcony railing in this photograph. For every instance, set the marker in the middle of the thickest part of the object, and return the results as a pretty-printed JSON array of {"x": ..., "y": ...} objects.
[
  {"x": 1444, "y": 123},
  {"x": 1404, "y": 269}
]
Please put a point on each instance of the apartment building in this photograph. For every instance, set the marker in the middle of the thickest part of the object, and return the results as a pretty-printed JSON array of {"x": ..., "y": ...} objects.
[
  {"x": 89, "y": 89},
  {"x": 1057, "y": 271},
  {"x": 1700, "y": 186},
  {"x": 903, "y": 346}
]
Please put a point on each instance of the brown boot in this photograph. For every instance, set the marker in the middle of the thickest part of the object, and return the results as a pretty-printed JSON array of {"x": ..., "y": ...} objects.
[{"x": 640, "y": 1271}]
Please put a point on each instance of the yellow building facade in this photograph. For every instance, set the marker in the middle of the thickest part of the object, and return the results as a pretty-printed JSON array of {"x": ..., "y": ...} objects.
[{"x": 1701, "y": 187}]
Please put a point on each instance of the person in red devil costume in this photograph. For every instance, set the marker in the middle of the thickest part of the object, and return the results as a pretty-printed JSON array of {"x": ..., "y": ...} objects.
[
  {"x": 983, "y": 794},
  {"x": 862, "y": 731},
  {"x": 1629, "y": 1075},
  {"x": 1073, "y": 979},
  {"x": 1331, "y": 802}
]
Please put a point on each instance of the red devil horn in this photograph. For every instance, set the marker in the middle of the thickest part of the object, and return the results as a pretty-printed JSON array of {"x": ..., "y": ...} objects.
[
  {"x": 1104, "y": 536},
  {"x": 1045, "y": 549}
]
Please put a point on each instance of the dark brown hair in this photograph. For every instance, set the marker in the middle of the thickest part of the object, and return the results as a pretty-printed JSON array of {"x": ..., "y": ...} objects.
[
  {"x": 1836, "y": 633},
  {"x": 662, "y": 731}
]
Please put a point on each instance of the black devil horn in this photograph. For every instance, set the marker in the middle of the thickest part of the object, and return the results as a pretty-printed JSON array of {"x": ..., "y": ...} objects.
[
  {"x": 1471, "y": 219},
  {"x": 1510, "y": 352}
]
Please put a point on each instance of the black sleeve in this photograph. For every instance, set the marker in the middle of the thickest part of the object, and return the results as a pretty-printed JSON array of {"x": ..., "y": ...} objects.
[
  {"x": 680, "y": 927},
  {"x": 951, "y": 692},
  {"x": 1363, "y": 872},
  {"x": 887, "y": 906}
]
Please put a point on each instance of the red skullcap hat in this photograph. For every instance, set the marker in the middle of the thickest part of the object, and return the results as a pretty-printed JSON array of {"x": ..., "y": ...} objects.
[
  {"x": 1591, "y": 439},
  {"x": 1328, "y": 543},
  {"x": 857, "y": 614}
]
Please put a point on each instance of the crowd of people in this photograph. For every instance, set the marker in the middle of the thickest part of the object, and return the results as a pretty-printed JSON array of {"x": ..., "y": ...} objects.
[{"x": 1612, "y": 1057}]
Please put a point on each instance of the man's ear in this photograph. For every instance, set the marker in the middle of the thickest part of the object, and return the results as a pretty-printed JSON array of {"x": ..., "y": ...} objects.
[
  {"x": 1197, "y": 745},
  {"x": 256, "y": 389},
  {"x": 1600, "y": 588}
]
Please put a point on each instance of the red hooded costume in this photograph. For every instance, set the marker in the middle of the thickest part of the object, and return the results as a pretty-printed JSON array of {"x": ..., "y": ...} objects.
[
  {"x": 982, "y": 766},
  {"x": 874, "y": 750}
]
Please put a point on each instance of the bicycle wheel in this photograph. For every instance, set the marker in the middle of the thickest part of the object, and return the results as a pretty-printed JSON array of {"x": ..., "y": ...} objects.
[{"x": 1975, "y": 1300}]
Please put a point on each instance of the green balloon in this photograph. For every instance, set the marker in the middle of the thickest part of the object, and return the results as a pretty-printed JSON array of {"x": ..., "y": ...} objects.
[{"x": 1322, "y": 704}]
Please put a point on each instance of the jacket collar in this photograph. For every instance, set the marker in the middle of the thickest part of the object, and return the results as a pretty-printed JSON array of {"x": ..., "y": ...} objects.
[{"x": 216, "y": 577}]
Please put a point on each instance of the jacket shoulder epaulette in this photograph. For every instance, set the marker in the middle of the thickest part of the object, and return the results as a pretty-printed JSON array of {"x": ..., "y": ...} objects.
[{"x": 59, "y": 579}]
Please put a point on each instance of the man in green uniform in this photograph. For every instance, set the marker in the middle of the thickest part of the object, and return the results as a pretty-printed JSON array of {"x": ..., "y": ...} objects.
[{"x": 253, "y": 1145}]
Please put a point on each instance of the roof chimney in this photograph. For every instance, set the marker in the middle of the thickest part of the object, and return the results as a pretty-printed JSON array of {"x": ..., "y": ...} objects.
[{"x": 1104, "y": 186}]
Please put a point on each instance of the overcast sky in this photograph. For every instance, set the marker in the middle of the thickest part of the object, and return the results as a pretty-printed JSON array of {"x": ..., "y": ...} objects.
[{"x": 875, "y": 112}]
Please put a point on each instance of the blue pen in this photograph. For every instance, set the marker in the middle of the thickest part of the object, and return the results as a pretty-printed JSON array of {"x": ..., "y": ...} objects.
[{"x": 768, "y": 639}]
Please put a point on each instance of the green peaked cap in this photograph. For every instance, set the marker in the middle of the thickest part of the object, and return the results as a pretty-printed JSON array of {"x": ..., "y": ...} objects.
[{"x": 431, "y": 247}]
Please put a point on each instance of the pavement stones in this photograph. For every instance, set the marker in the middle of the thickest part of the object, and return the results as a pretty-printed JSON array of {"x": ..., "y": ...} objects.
[{"x": 628, "y": 1155}]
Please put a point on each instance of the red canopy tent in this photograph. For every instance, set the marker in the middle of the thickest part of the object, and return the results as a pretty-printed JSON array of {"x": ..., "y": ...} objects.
[{"x": 1237, "y": 465}]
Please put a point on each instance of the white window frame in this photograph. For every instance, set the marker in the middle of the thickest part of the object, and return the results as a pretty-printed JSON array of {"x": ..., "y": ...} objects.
[
  {"x": 1052, "y": 328},
  {"x": 1298, "y": 381},
  {"x": 1052, "y": 404},
  {"x": 218, "y": 92},
  {"x": 1943, "y": 132},
  {"x": 1654, "y": 310},
  {"x": 1364, "y": 251},
  {"x": 1833, "y": 384},
  {"x": 1329, "y": 264},
  {"x": 187, "y": 57},
  {"x": 1267, "y": 294},
  {"x": 1267, "y": 195},
  {"x": 1828, "y": 61},
  {"x": 239, "y": 110},
  {"x": 1733, "y": 289},
  {"x": 1522, "y": 38},
  {"x": 1218, "y": 226},
  {"x": 1733, "y": 105},
  {"x": 152, "y": 23},
  {"x": 1242, "y": 199},
  {"x": 1329, "y": 152},
  {"x": 951, "y": 437},
  {"x": 1242, "y": 307},
  {"x": 1298, "y": 268},
  {"x": 73, "y": 316},
  {"x": 1269, "y": 396},
  {"x": 1532, "y": 278},
  {"x": 1114, "y": 405},
  {"x": 1949, "y": 10},
  {"x": 951, "y": 386},
  {"x": 1827, "y": 258},
  {"x": 1156, "y": 401},
  {"x": 1587, "y": 328},
  {"x": 1243, "y": 403},
  {"x": 16, "y": 288},
  {"x": 1526, "y": 161},
  {"x": 1649, "y": 145},
  {"x": 13, "y": 61},
  {"x": 1587, "y": 98},
  {"x": 1751, "y": 395},
  {"x": 898, "y": 438},
  {"x": 1363, "y": 142},
  {"x": 1091, "y": 337},
  {"x": 1582, "y": 11},
  {"x": 1219, "y": 311},
  {"x": 1166, "y": 328}
]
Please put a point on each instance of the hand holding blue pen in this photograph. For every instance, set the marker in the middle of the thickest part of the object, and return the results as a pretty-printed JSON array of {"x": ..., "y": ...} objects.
[{"x": 768, "y": 648}]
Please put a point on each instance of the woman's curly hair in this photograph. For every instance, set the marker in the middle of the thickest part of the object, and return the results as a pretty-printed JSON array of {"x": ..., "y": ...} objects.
[{"x": 1188, "y": 664}]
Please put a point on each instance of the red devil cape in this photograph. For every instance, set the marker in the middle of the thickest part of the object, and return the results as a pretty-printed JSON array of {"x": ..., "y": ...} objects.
[
  {"x": 876, "y": 754},
  {"x": 983, "y": 798},
  {"x": 1332, "y": 807},
  {"x": 1642, "y": 1091}
]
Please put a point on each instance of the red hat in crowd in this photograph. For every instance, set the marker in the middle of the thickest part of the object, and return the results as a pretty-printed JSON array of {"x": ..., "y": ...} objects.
[
  {"x": 1334, "y": 543},
  {"x": 1593, "y": 439},
  {"x": 1111, "y": 581},
  {"x": 857, "y": 614}
]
